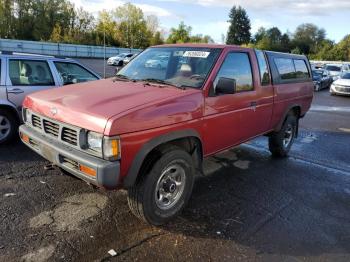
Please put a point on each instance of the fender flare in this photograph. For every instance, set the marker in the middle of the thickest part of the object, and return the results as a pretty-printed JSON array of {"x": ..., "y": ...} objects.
[
  {"x": 137, "y": 162},
  {"x": 289, "y": 108},
  {"x": 12, "y": 107}
]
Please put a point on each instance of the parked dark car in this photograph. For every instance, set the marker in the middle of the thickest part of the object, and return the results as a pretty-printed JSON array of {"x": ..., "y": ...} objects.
[{"x": 321, "y": 79}]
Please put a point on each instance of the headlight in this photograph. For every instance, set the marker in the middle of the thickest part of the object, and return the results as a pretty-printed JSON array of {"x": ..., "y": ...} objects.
[
  {"x": 111, "y": 148},
  {"x": 106, "y": 147},
  {"x": 94, "y": 141},
  {"x": 27, "y": 116}
]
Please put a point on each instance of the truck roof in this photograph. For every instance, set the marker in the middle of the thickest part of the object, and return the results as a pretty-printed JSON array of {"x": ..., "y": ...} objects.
[{"x": 200, "y": 45}]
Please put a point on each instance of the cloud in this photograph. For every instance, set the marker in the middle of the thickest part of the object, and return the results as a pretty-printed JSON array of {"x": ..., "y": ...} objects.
[
  {"x": 94, "y": 6},
  {"x": 154, "y": 10},
  {"x": 302, "y": 7},
  {"x": 257, "y": 23}
]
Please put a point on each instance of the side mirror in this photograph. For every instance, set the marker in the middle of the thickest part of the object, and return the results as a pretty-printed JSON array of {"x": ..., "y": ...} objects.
[{"x": 226, "y": 86}]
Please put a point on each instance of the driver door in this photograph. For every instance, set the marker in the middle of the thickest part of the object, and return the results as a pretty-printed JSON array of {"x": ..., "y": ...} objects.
[
  {"x": 26, "y": 76},
  {"x": 72, "y": 73}
]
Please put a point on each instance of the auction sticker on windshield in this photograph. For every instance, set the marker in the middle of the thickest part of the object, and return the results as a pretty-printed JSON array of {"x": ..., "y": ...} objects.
[{"x": 197, "y": 54}]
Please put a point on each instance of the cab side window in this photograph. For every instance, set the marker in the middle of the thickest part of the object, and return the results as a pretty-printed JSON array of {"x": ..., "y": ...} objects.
[
  {"x": 237, "y": 67},
  {"x": 72, "y": 73},
  {"x": 285, "y": 67},
  {"x": 263, "y": 68},
  {"x": 301, "y": 69},
  {"x": 30, "y": 73}
]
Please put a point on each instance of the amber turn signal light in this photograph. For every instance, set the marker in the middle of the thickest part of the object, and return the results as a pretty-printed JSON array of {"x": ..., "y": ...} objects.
[
  {"x": 25, "y": 138},
  {"x": 87, "y": 170}
]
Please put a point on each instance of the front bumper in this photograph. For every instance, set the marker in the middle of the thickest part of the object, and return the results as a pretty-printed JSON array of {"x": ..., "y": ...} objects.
[
  {"x": 106, "y": 172},
  {"x": 340, "y": 90},
  {"x": 113, "y": 62}
]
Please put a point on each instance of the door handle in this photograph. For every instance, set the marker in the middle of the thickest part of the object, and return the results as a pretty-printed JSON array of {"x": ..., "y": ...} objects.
[
  {"x": 15, "y": 91},
  {"x": 253, "y": 105}
]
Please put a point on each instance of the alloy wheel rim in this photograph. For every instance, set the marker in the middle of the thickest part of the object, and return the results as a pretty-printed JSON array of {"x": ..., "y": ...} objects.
[
  {"x": 288, "y": 136},
  {"x": 170, "y": 186},
  {"x": 5, "y": 127}
]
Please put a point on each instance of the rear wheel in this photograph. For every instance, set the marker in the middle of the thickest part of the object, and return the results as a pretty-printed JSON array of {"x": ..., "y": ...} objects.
[
  {"x": 281, "y": 142},
  {"x": 8, "y": 126},
  {"x": 162, "y": 193}
]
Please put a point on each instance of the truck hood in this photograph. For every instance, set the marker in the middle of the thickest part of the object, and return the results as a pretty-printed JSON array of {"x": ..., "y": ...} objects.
[{"x": 90, "y": 105}]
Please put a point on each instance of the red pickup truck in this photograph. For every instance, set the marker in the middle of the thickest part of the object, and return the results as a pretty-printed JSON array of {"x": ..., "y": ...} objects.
[{"x": 148, "y": 129}]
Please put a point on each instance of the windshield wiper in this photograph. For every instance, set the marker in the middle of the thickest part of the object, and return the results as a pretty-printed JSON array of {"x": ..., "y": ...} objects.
[
  {"x": 159, "y": 81},
  {"x": 122, "y": 78}
]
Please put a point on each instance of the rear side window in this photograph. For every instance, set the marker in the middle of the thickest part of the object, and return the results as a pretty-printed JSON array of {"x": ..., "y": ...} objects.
[
  {"x": 301, "y": 69},
  {"x": 73, "y": 73},
  {"x": 30, "y": 73},
  {"x": 263, "y": 68},
  {"x": 237, "y": 66},
  {"x": 285, "y": 67}
]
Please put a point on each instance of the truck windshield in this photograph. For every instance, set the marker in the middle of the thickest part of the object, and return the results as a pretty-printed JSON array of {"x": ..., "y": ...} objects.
[{"x": 178, "y": 66}]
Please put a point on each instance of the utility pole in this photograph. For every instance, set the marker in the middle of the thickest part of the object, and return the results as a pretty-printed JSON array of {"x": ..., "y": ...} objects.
[{"x": 104, "y": 50}]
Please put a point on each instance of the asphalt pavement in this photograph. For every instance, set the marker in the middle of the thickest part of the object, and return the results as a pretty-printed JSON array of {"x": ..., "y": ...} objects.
[{"x": 248, "y": 206}]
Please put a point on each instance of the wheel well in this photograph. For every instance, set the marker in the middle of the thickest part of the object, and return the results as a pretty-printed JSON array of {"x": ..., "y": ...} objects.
[
  {"x": 11, "y": 110},
  {"x": 191, "y": 145},
  {"x": 296, "y": 110}
]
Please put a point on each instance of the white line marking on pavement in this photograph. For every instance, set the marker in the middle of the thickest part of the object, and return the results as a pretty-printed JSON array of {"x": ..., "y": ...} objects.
[
  {"x": 299, "y": 159},
  {"x": 330, "y": 109},
  {"x": 347, "y": 130}
]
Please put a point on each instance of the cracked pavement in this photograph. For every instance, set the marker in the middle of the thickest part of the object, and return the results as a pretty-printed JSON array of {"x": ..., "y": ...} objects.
[{"x": 248, "y": 206}]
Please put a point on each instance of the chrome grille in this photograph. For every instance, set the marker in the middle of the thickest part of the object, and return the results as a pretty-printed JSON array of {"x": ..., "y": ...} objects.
[
  {"x": 36, "y": 121},
  {"x": 70, "y": 136},
  {"x": 62, "y": 132},
  {"x": 51, "y": 128},
  {"x": 342, "y": 88}
]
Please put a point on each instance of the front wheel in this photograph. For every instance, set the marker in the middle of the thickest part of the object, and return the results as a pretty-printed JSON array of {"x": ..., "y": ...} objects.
[
  {"x": 162, "y": 193},
  {"x": 281, "y": 142}
]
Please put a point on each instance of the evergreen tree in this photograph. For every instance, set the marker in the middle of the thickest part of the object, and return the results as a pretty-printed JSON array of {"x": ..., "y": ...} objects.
[{"x": 239, "y": 30}]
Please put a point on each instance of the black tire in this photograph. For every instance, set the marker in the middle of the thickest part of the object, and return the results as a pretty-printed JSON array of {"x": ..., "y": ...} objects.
[
  {"x": 121, "y": 63},
  {"x": 142, "y": 196},
  {"x": 7, "y": 118},
  {"x": 277, "y": 140}
]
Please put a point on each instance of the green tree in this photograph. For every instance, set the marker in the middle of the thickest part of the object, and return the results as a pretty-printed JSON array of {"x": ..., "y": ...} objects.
[
  {"x": 239, "y": 30},
  {"x": 132, "y": 26},
  {"x": 157, "y": 39},
  {"x": 259, "y": 35},
  {"x": 181, "y": 34},
  {"x": 342, "y": 49},
  {"x": 56, "y": 35},
  {"x": 106, "y": 27},
  {"x": 308, "y": 38},
  {"x": 7, "y": 19}
]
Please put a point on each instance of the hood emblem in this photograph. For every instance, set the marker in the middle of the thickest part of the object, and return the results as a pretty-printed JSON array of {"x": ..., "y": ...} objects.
[{"x": 53, "y": 111}]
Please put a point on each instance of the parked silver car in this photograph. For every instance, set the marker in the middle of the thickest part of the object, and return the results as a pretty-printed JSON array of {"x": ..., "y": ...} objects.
[
  {"x": 118, "y": 60},
  {"x": 22, "y": 74},
  {"x": 341, "y": 86},
  {"x": 334, "y": 70},
  {"x": 129, "y": 58}
]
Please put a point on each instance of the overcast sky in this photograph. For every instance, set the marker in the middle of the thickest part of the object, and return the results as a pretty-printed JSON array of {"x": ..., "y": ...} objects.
[{"x": 210, "y": 16}]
